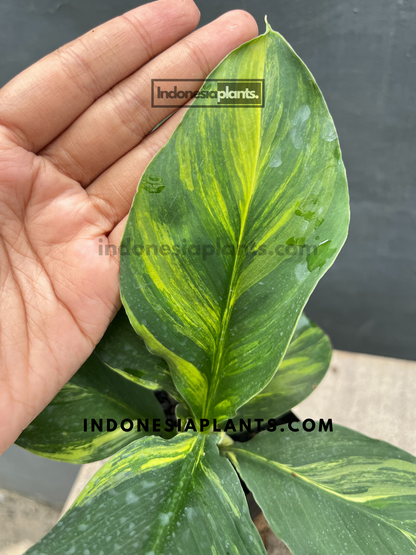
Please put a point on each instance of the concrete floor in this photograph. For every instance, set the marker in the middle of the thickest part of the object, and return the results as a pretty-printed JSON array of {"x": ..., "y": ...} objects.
[{"x": 23, "y": 522}]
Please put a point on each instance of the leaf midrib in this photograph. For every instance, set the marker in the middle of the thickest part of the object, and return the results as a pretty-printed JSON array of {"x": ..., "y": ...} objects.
[
  {"x": 231, "y": 297},
  {"x": 183, "y": 484}
]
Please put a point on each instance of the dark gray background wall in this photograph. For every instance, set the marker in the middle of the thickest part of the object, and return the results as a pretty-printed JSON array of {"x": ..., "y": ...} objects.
[{"x": 363, "y": 55}]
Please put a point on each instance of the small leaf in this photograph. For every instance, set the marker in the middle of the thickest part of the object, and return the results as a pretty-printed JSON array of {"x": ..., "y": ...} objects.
[
  {"x": 305, "y": 364},
  {"x": 158, "y": 497},
  {"x": 125, "y": 352},
  {"x": 96, "y": 392},
  {"x": 215, "y": 271},
  {"x": 328, "y": 493}
]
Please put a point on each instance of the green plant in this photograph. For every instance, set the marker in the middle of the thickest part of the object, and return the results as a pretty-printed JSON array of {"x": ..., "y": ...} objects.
[{"x": 247, "y": 209}]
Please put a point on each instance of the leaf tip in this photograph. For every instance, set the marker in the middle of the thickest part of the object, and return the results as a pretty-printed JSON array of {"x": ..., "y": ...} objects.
[{"x": 268, "y": 27}]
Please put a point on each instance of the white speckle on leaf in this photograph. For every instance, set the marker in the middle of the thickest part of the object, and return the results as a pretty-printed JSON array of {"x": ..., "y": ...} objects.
[
  {"x": 190, "y": 513},
  {"x": 301, "y": 271},
  {"x": 82, "y": 527},
  {"x": 164, "y": 518},
  {"x": 328, "y": 132},
  {"x": 131, "y": 497},
  {"x": 276, "y": 158},
  {"x": 299, "y": 125}
]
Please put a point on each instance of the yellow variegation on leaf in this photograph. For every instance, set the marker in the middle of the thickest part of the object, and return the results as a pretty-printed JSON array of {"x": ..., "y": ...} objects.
[
  {"x": 158, "y": 497},
  {"x": 345, "y": 492},
  {"x": 254, "y": 209}
]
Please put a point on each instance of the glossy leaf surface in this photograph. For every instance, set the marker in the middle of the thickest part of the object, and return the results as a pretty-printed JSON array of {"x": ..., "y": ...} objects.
[
  {"x": 303, "y": 367},
  {"x": 96, "y": 391},
  {"x": 329, "y": 493},
  {"x": 250, "y": 211},
  {"x": 157, "y": 497}
]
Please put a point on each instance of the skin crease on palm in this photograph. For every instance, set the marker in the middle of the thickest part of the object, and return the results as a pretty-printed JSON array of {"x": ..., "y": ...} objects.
[{"x": 74, "y": 142}]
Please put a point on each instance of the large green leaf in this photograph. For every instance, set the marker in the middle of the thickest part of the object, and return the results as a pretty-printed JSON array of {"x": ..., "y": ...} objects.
[
  {"x": 218, "y": 257},
  {"x": 329, "y": 493},
  {"x": 304, "y": 365},
  {"x": 96, "y": 392},
  {"x": 159, "y": 498}
]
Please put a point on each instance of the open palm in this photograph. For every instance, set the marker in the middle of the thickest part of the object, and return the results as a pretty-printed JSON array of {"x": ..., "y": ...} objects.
[{"x": 74, "y": 141}]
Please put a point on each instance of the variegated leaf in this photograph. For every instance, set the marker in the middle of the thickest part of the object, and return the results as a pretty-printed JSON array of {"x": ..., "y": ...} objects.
[
  {"x": 305, "y": 364},
  {"x": 329, "y": 493},
  {"x": 157, "y": 497},
  {"x": 125, "y": 352},
  {"x": 250, "y": 211},
  {"x": 96, "y": 391}
]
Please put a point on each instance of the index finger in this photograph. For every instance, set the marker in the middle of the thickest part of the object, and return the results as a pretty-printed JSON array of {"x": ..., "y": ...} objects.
[{"x": 41, "y": 102}]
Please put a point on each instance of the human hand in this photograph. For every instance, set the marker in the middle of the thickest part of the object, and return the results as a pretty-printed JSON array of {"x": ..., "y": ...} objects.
[{"x": 74, "y": 142}]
